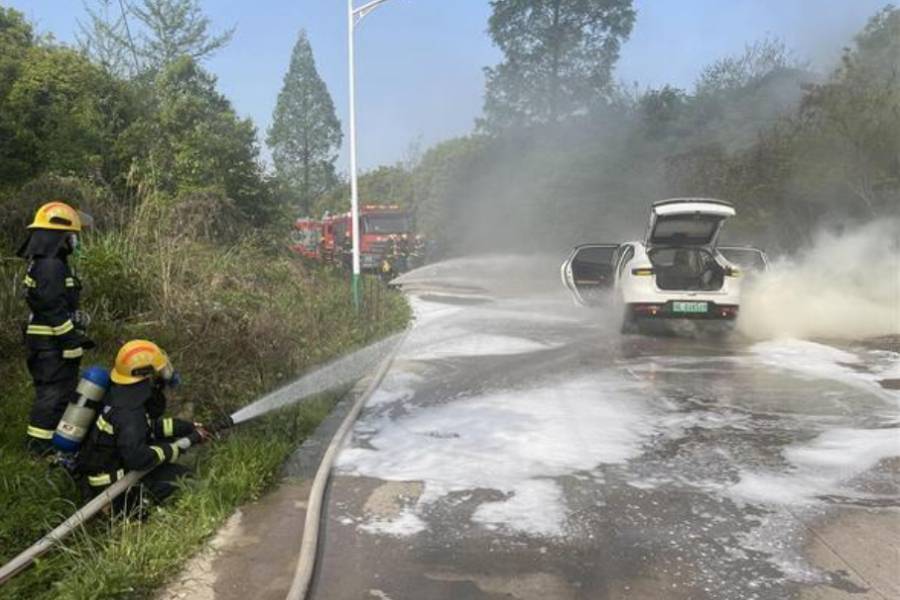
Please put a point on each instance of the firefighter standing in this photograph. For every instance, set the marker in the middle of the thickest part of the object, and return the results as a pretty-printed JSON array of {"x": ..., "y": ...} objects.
[
  {"x": 131, "y": 433},
  {"x": 55, "y": 333}
]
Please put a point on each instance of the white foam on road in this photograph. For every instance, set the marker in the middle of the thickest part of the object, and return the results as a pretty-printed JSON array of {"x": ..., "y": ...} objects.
[
  {"x": 819, "y": 361},
  {"x": 809, "y": 358},
  {"x": 457, "y": 342},
  {"x": 440, "y": 333},
  {"x": 514, "y": 442},
  {"x": 426, "y": 312},
  {"x": 404, "y": 525},
  {"x": 891, "y": 368},
  {"x": 536, "y": 507},
  {"x": 396, "y": 386},
  {"x": 823, "y": 466}
]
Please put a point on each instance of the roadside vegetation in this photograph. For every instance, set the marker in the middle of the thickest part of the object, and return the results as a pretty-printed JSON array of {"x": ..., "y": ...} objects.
[
  {"x": 237, "y": 321},
  {"x": 189, "y": 250},
  {"x": 565, "y": 154},
  {"x": 191, "y": 230}
]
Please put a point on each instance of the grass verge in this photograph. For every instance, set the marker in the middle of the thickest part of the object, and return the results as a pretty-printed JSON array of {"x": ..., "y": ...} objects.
[
  {"x": 129, "y": 559},
  {"x": 238, "y": 318}
]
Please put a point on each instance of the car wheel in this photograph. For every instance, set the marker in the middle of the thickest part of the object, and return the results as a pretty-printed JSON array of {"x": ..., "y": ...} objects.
[{"x": 629, "y": 326}]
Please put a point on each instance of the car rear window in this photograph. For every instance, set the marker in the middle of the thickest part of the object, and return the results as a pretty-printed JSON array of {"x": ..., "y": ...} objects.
[
  {"x": 665, "y": 257},
  {"x": 744, "y": 258},
  {"x": 685, "y": 229}
]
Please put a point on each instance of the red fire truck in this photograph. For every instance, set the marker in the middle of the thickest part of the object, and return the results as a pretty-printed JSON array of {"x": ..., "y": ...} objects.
[
  {"x": 306, "y": 238},
  {"x": 387, "y": 243}
]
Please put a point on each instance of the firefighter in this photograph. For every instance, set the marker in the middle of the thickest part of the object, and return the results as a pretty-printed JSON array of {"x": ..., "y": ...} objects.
[
  {"x": 55, "y": 334},
  {"x": 131, "y": 432}
]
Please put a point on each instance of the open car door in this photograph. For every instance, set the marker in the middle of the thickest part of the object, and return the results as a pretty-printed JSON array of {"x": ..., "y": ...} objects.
[
  {"x": 589, "y": 272},
  {"x": 745, "y": 257},
  {"x": 687, "y": 221}
]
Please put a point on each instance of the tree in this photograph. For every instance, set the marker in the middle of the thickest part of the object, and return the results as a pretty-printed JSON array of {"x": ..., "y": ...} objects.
[
  {"x": 734, "y": 96},
  {"x": 558, "y": 58},
  {"x": 192, "y": 140},
  {"x": 58, "y": 112},
  {"x": 174, "y": 29},
  {"x": 60, "y": 108},
  {"x": 851, "y": 123},
  {"x": 384, "y": 185},
  {"x": 305, "y": 133},
  {"x": 758, "y": 60},
  {"x": 136, "y": 36},
  {"x": 106, "y": 38},
  {"x": 660, "y": 109},
  {"x": 16, "y": 38}
]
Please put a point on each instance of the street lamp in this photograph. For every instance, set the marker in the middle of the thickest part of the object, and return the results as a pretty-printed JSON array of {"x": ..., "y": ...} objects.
[{"x": 354, "y": 16}]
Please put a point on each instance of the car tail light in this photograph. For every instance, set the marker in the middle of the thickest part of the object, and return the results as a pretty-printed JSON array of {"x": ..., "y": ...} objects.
[
  {"x": 647, "y": 309},
  {"x": 727, "y": 311},
  {"x": 642, "y": 271}
]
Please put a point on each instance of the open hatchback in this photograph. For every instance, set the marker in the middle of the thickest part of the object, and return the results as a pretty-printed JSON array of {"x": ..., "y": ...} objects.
[
  {"x": 676, "y": 272},
  {"x": 687, "y": 221}
]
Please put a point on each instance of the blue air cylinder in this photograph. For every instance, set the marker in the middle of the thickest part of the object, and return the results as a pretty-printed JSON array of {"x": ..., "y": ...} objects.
[{"x": 81, "y": 413}]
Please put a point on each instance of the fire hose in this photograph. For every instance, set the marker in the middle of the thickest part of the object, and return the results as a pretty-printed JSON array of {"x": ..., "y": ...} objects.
[
  {"x": 86, "y": 512},
  {"x": 310, "y": 542},
  {"x": 344, "y": 369}
]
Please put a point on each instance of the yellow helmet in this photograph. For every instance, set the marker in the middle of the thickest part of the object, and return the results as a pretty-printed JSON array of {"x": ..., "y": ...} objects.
[
  {"x": 57, "y": 215},
  {"x": 140, "y": 359}
]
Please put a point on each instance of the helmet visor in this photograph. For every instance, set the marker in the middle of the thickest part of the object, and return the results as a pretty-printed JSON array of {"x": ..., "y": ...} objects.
[
  {"x": 87, "y": 221},
  {"x": 167, "y": 373}
]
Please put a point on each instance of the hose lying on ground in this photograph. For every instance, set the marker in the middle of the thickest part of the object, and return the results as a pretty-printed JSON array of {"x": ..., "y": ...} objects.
[
  {"x": 347, "y": 368},
  {"x": 309, "y": 544},
  {"x": 84, "y": 513}
]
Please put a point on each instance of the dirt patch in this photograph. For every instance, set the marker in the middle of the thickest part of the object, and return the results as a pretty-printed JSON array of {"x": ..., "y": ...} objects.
[
  {"x": 253, "y": 556},
  {"x": 860, "y": 550},
  {"x": 885, "y": 342},
  {"x": 198, "y": 576},
  {"x": 521, "y": 586},
  {"x": 890, "y": 384},
  {"x": 390, "y": 498}
]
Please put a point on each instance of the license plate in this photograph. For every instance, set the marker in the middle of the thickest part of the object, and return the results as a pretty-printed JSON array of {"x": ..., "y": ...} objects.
[{"x": 690, "y": 307}]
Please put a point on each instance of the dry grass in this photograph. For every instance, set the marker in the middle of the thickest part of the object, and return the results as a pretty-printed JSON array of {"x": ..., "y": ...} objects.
[{"x": 239, "y": 317}]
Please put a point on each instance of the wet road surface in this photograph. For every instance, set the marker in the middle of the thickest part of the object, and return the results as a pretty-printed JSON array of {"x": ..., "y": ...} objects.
[{"x": 520, "y": 447}]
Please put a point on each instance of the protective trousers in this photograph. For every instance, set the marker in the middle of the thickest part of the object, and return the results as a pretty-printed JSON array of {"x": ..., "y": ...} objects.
[
  {"x": 55, "y": 379},
  {"x": 154, "y": 488}
]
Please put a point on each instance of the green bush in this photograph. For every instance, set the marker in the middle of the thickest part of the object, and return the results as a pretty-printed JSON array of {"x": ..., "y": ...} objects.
[{"x": 238, "y": 320}]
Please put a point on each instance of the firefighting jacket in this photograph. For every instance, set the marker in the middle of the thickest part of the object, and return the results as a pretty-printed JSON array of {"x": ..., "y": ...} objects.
[
  {"x": 53, "y": 293},
  {"x": 130, "y": 434}
]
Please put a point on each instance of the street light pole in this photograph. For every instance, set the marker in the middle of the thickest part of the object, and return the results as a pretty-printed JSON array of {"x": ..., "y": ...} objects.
[
  {"x": 354, "y": 16},
  {"x": 354, "y": 189}
]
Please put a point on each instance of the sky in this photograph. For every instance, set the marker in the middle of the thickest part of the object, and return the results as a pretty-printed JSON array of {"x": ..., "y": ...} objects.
[{"x": 420, "y": 62}]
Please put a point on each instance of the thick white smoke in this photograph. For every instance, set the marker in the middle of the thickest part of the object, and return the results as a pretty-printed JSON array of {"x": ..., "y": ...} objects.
[{"x": 845, "y": 286}]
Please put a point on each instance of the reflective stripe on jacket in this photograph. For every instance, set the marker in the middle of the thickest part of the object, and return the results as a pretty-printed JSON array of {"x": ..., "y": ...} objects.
[
  {"x": 128, "y": 435},
  {"x": 53, "y": 294}
]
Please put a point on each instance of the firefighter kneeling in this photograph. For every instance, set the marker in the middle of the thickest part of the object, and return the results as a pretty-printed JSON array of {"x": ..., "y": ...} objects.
[{"x": 131, "y": 433}]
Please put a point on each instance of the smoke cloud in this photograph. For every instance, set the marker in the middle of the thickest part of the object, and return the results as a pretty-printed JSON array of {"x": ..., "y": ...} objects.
[{"x": 845, "y": 286}]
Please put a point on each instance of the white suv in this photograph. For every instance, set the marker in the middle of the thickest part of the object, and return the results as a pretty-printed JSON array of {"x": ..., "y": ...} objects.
[{"x": 676, "y": 272}]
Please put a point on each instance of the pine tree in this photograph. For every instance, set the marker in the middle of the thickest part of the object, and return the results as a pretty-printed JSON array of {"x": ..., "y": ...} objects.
[
  {"x": 558, "y": 58},
  {"x": 305, "y": 133}
]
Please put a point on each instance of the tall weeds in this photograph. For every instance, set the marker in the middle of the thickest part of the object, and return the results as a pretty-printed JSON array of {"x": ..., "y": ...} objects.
[{"x": 238, "y": 315}]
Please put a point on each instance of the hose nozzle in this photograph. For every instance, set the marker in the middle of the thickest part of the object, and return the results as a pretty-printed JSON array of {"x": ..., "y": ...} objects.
[{"x": 221, "y": 424}]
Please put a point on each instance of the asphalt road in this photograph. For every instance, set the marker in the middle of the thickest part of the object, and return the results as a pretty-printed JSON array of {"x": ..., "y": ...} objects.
[{"x": 520, "y": 447}]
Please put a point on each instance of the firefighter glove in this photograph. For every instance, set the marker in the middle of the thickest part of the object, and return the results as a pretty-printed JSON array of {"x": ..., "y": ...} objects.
[{"x": 81, "y": 319}]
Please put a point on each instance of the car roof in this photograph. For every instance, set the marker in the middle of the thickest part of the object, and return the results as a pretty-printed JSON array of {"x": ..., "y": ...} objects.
[{"x": 692, "y": 199}]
